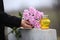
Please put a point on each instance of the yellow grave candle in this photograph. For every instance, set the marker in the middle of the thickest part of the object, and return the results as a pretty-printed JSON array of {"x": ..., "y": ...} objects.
[{"x": 45, "y": 22}]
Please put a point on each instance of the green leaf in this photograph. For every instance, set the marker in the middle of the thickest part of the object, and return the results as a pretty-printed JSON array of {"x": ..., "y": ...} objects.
[
  {"x": 14, "y": 29},
  {"x": 17, "y": 34},
  {"x": 10, "y": 32},
  {"x": 20, "y": 14}
]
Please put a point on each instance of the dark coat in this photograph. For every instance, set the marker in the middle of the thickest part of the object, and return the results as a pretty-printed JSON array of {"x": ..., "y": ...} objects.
[{"x": 7, "y": 20}]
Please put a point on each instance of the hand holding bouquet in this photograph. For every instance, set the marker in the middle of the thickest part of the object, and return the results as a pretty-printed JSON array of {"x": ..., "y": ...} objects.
[{"x": 33, "y": 16}]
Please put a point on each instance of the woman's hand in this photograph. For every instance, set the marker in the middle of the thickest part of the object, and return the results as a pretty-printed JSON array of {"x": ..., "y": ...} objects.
[{"x": 26, "y": 25}]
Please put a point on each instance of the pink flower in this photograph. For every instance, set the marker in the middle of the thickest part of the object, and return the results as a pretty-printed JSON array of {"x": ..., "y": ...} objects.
[
  {"x": 32, "y": 10},
  {"x": 39, "y": 15},
  {"x": 37, "y": 25},
  {"x": 26, "y": 14},
  {"x": 33, "y": 16},
  {"x": 31, "y": 20}
]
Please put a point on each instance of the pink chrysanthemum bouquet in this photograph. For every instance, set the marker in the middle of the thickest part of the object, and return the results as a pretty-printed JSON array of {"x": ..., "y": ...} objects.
[{"x": 33, "y": 16}]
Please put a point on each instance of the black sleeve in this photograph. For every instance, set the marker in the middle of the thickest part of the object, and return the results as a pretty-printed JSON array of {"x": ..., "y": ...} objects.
[{"x": 10, "y": 21}]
